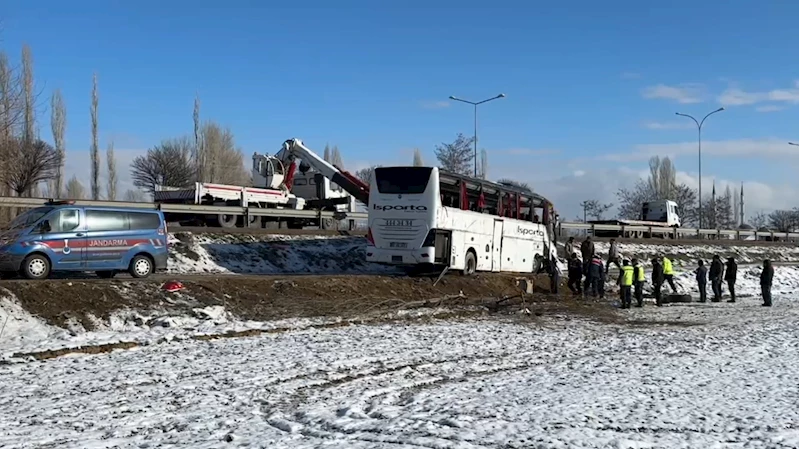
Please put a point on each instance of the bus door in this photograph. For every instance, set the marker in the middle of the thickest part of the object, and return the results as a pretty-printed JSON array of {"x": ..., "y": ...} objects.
[{"x": 496, "y": 250}]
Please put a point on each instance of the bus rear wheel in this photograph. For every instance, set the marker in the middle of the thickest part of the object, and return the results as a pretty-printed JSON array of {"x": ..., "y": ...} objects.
[{"x": 470, "y": 264}]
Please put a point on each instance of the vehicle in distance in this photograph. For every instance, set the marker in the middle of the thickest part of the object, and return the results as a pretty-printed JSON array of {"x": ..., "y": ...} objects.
[
  {"x": 658, "y": 219},
  {"x": 60, "y": 236}
]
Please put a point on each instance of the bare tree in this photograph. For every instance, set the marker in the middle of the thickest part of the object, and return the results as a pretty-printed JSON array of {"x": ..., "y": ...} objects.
[
  {"x": 660, "y": 185},
  {"x": 365, "y": 174},
  {"x": 111, "y": 161},
  {"x": 457, "y": 156},
  {"x": 198, "y": 152},
  {"x": 135, "y": 196},
  {"x": 759, "y": 220},
  {"x": 58, "y": 124},
  {"x": 594, "y": 210},
  {"x": 417, "y": 158},
  {"x": 12, "y": 111},
  {"x": 95, "y": 149},
  {"x": 34, "y": 162},
  {"x": 224, "y": 162},
  {"x": 75, "y": 190},
  {"x": 783, "y": 220},
  {"x": 29, "y": 124},
  {"x": 167, "y": 164},
  {"x": 517, "y": 184},
  {"x": 335, "y": 158},
  {"x": 326, "y": 156}
]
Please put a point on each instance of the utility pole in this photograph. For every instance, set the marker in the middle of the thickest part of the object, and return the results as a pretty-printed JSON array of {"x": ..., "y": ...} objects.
[
  {"x": 742, "y": 203},
  {"x": 475, "y": 104},
  {"x": 699, "y": 128}
]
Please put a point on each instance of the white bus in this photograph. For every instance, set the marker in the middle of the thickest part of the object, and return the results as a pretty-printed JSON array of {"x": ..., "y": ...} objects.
[{"x": 424, "y": 216}]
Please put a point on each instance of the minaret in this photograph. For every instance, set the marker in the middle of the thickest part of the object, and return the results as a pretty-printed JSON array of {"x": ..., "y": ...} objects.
[
  {"x": 742, "y": 203},
  {"x": 713, "y": 205}
]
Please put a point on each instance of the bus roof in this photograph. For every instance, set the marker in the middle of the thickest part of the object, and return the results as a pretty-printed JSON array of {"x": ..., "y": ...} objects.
[{"x": 473, "y": 183}]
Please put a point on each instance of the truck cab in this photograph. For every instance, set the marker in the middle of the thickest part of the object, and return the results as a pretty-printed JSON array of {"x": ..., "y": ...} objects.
[{"x": 662, "y": 211}]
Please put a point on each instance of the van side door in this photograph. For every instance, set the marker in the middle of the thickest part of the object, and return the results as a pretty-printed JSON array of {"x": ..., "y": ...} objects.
[
  {"x": 65, "y": 242},
  {"x": 108, "y": 239}
]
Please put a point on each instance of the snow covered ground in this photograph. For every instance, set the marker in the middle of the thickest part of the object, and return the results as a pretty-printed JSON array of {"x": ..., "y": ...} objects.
[
  {"x": 689, "y": 254},
  {"x": 268, "y": 254},
  {"x": 684, "y": 375},
  {"x": 728, "y": 382}
]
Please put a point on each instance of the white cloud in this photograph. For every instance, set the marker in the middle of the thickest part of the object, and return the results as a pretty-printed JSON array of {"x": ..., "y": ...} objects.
[
  {"x": 436, "y": 104},
  {"x": 742, "y": 148},
  {"x": 735, "y": 96},
  {"x": 669, "y": 125},
  {"x": 682, "y": 93},
  {"x": 769, "y": 108}
]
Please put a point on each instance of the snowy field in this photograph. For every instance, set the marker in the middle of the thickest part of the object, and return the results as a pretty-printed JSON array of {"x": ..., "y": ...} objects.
[
  {"x": 689, "y": 254},
  {"x": 685, "y": 375}
]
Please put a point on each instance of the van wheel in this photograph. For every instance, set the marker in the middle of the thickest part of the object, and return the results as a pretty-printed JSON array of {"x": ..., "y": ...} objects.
[
  {"x": 141, "y": 266},
  {"x": 36, "y": 266},
  {"x": 108, "y": 274},
  {"x": 470, "y": 265}
]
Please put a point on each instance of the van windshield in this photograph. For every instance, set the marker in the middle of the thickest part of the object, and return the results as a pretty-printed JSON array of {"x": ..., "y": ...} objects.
[{"x": 29, "y": 218}]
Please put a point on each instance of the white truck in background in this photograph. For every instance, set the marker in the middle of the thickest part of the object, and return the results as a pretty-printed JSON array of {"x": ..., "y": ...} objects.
[
  {"x": 658, "y": 215},
  {"x": 280, "y": 182}
]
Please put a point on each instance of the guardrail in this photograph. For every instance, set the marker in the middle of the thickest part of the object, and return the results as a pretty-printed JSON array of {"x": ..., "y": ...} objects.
[
  {"x": 681, "y": 233},
  {"x": 10, "y": 201}
]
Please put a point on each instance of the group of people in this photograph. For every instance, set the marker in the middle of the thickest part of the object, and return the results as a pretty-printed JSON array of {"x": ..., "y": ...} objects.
[
  {"x": 719, "y": 273},
  {"x": 589, "y": 275}
]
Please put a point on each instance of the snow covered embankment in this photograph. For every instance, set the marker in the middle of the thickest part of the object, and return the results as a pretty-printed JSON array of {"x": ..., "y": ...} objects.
[
  {"x": 268, "y": 254},
  {"x": 690, "y": 254}
]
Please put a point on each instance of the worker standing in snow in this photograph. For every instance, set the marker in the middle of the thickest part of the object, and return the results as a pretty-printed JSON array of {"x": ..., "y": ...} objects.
[
  {"x": 626, "y": 277},
  {"x": 701, "y": 281},
  {"x": 657, "y": 280},
  {"x": 596, "y": 277},
  {"x": 613, "y": 255},
  {"x": 730, "y": 276},
  {"x": 716, "y": 276},
  {"x": 575, "y": 274},
  {"x": 668, "y": 273},
  {"x": 587, "y": 250},
  {"x": 569, "y": 249},
  {"x": 639, "y": 277},
  {"x": 766, "y": 278}
]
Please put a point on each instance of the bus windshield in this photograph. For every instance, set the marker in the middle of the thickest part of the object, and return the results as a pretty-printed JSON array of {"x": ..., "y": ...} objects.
[
  {"x": 29, "y": 218},
  {"x": 402, "y": 180}
]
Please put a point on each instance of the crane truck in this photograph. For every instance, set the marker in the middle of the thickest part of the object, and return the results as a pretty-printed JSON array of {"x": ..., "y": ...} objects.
[{"x": 280, "y": 182}]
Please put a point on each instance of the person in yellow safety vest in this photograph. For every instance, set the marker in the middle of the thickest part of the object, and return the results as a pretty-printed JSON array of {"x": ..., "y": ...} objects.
[
  {"x": 626, "y": 277},
  {"x": 639, "y": 277},
  {"x": 668, "y": 273}
]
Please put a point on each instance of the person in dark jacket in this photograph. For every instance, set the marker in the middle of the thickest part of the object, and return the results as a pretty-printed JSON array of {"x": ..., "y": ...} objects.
[
  {"x": 575, "y": 274},
  {"x": 730, "y": 275},
  {"x": 596, "y": 273},
  {"x": 613, "y": 256},
  {"x": 587, "y": 250},
  {"x": 568, "y": 248},
  {"x": 657, "y": 280},
  {"x": 701, "y": 281},
  {"x": 766, "y": 277},
  {"x": 550, "y": 267},
  {"x": 715, "y": 275}
]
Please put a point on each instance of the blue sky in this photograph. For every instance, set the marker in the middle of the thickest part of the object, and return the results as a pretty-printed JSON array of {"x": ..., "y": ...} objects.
[{"x": 592, "y": 87}]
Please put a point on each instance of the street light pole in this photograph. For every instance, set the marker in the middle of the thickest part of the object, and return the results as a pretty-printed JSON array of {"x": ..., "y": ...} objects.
[
  {"x": 475, "y": 104},
  {"x": 699, "y": 129}
]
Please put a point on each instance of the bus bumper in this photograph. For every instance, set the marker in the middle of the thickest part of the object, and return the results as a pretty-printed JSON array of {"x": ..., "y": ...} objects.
[{"x": 400, "y": 257}]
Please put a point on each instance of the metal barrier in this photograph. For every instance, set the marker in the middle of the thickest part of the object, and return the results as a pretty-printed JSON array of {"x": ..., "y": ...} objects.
[{"x": 8, "y": 201}]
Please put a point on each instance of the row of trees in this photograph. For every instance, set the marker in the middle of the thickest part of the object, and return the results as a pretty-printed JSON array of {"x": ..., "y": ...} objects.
[{"x": 210, "y": 155}]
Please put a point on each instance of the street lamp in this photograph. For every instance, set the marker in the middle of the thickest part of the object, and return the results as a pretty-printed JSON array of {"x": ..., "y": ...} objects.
[
  {"x": 475, "y": 121},
  {"x": 699, "y": 128}
]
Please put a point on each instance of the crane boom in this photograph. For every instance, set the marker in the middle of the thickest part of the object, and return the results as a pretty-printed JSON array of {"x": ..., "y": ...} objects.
[{"x": 293, "y": 149}]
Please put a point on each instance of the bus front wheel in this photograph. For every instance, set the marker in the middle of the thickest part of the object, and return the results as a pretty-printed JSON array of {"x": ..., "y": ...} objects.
[{"x": 470, "y": 264}]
